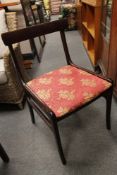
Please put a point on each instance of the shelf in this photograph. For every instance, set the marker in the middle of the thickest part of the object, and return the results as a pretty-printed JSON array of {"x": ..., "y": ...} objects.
[
  {"x": 84, "y": 24},
  {"x": 91, "y": 42},
  {"x": 91, "y": 48},
  {"x": 89, "y": 21},
  {"x": 85, "y": 44},
  {"x": 92, "y": 2},
  {"x": 91, "y": 29},
  {"x": 85, "y": 37}
]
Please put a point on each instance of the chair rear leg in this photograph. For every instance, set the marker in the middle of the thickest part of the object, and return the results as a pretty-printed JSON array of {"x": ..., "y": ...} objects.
[
  {"x": 34, "y": 49},
  {"x": 108, "y": 108},
  {"x": 58, "y": 141},
  {"x": 3, "y": 154},
  {"x": 31, "y": 112}
]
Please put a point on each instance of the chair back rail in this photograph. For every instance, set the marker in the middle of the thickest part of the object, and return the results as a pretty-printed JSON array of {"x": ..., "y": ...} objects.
[
  {"x": 38, "y": 30},
  {"x": 34, "y": 31}
]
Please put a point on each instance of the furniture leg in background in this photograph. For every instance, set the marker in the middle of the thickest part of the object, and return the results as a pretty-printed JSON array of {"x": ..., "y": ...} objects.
[{"x": 3, "y": 154}]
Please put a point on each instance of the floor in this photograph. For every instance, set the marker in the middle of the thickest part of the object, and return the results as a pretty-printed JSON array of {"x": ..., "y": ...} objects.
[{"x": 89, "y": 148}]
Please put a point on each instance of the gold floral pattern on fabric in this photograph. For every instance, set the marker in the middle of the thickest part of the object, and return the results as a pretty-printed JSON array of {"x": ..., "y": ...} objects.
[
  {"x": 65, "y": 94},
  {"x": 62, "y": 110},
  {"x": 83, "y": 72},
  {"x": 88, "y": 82},
  {"x": 106, "y": 84},
  {"x": 87, "y": 96},
  {"x": 65, "y": 71},
  {"x": 45, "y": 80},
  {"x": 44, "y": 94},
  {"x": 66, "y": 81}
]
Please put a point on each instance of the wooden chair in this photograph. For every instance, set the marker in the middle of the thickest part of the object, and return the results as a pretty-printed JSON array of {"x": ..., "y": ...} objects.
[
  {"x": 59, "y": 93},
  {"x": 32, "y": 19}
]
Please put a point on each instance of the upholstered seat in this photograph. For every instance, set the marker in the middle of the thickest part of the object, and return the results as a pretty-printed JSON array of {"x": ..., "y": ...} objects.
[{"x": 69, "y": 87}]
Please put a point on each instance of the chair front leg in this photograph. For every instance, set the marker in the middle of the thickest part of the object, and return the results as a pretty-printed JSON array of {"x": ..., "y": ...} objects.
[
  {"x": 58, "y": 141},
  {"x": 108, "y": 97},
  {"x": 31, "y": 112},
  {"x": 3, "y": 154}
]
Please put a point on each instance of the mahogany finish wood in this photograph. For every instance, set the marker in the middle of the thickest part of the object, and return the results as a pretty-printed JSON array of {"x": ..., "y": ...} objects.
[
  {"x": 112, "y": 67},
  {"x": 108, "y": 50},
  {"x": 33, "y": 101},
  {"x": 34, "y": 31}
]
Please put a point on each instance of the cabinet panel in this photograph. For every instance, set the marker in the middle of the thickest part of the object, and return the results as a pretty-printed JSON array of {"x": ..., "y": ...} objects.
[
  {"x": 84, "y": 15},
  {"x": 85, "y": 37},
  {"x": 91, "y": 50},
  {"x": 104, "y": 50},
  {"x": 91, "y": 20}
]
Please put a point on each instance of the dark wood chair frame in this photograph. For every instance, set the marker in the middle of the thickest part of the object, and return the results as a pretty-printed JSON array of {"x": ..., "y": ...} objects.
[
  {"x": 3, "y": 154},
  {"x": 27, "y": 4},
  {"x": 33, "y": 102}
]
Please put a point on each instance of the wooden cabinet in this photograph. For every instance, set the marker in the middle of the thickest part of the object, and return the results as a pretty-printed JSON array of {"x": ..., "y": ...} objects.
[
  {"x": 91, "y": 14},
  {"x": 108, "y": 41}
]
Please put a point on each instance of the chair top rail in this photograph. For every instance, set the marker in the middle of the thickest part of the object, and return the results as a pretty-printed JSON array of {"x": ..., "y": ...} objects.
[{"x": 13, "y": 37}]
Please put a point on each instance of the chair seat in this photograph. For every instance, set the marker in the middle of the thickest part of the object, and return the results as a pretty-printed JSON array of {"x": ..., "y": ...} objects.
[{"x": 65, "y": 89}]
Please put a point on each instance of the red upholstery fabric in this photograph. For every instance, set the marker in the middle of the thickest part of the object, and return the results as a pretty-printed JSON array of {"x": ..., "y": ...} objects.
[{"x": 67, "y": 88}]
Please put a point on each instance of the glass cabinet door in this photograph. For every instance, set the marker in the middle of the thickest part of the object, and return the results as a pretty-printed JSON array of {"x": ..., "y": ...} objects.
[{"x": 106, "y": 18}]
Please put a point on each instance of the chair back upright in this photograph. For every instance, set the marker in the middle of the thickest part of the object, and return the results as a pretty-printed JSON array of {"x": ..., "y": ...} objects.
[
  {"x": 28, "y": 12},
  {"x": 13, "y": 37}
]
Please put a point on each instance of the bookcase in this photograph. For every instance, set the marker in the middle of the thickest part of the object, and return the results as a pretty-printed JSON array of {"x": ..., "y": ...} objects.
[
  {"x": 108, "y": 41},
  {"x": 91, "y": 14}
]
